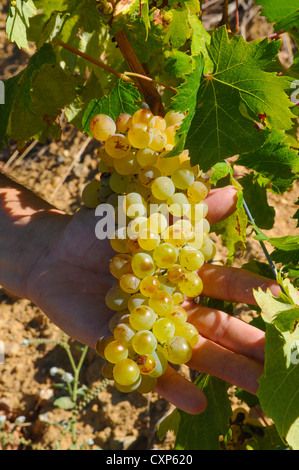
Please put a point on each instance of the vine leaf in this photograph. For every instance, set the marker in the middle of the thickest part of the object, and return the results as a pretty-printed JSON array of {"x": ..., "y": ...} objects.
[
  {"x": 284, "y": 14},
  {"x": 232, "y": 98},
  {"x": 201, "y": 432},
  {"x": 278, "y": 390},
  {"x": 275, "y": 160},
  {"x": 255, "y": 195},
  {"x": 122, "y": 99},
  {"x": 18, "y": 21}
]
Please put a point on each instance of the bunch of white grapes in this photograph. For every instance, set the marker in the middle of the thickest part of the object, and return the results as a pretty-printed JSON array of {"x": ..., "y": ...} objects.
[{"x": 159, "y": 249}]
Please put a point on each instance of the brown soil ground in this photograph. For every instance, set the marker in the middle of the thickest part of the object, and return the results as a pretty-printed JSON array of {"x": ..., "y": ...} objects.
[{"x": 113, "y": 420}]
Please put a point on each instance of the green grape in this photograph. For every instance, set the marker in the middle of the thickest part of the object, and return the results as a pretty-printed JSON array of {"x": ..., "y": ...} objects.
[
  {"x": 123, "y": 122},
  {"x": 165, "y": 255},
  {"x": 142, "y": 318},
  {"x": 197, "y": 212},
  {"x": 170, "y": 133},
  {"x": 147, "y": 175},
  {"x": 173, "y": 117},
  {"x": 136, "y": 300},
  {"x": 208, "y": 250},
  {"x": 146, "y": 364},
  {"x": 136, "y": 187},
  {"x": 162, "y": 188},
  {"x": 197, "y": 192},
  {"x": 103, "y": 155},
  {"x": 143, "y": 265},
  {"x": 198, "y": 239},
  {"x": 144, "y": 342},
  {"x": 177, "y": 298},
  {"x": 107, "y": 370},
  {"x": 175, "y": 236},
  {"x": 117, "y": 318},
  {"x": 133, "y": 246},
  {"x": 104, "y": 193},
  {"x": 167, "y": 165},
  {"x": 142, "y": 116},
  {"x": 159, "y": 140},
  {"x": 134, "y": 205},
  {"x": 164, "y": 329},
  {"x": 178, "y": 204},
  {"x": 182, "y": 178},
  {"x": 101, "y": 344},
  {"x": 188, "y": 331},
  {"x": 176, "y": 273},
  {"x": 127, "y": 165},
  {"x": 186, "y": 227},
  {"x": 136, "y": 225},
  {"x": 103, "y": 167},
  {"x": 116, "y": 299},
  {"x": 120, "y": 264},
  {"x": 117, "y": 146},
  {"x": 165, "y": 284},
  {"x": 148, "y": 239},
  {"x": 149, "y": 285},
  {"x": 157, "y": 122},
  {"x": 178, "y": 315},
  {"x": 191, "y": 286},
  {"x": 177, "y": 350},
  {"x": 157, "y": 222},
  {"x": 115, "y": 351},
  {"x": 191, "y": 259},
  {"x": 123, "y": 333},
  {"x": 90, "y": 194},
  {"x": 126, "y": 372},
  {"x": 105, "y": 178},
  {"x": 139, "y": 136},
  {"x": 161, "y": 302},
  {"x": 129, "y": 283},
  {"x": 161, "y": 362},
  {"x": 102, "y": 127},
  {"x": 128, "y": 388},
  {"x": 146, "y": 157},
  {"x": 203, "y": 225},
  {"x": 118, "y": 240},
  {"x": 147, "y": 384}
]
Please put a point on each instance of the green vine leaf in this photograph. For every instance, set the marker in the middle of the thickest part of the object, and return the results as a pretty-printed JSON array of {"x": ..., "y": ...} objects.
[
  {"x": 65, "y": 403},
  {"x": 17, "y": 22},
  {"x": 284, "y": 13},
  {"x": 233, "y": 96},
  {"x": 202, "y": 432},
  {"x": 275, "y": 161},
  {"x": 122, "y": 99},
  {"x": 278, "y": 390}
]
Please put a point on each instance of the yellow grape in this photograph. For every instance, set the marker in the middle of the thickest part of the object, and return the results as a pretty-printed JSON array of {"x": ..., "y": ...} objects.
[
  {"x": 146, "y": 364},
  {"x": 142, "y": 318},
  {"x": 90, "y": 194},
  {"x": 143, "y": 265},
  {"x": 102, "y": 127},
  {"x": 129, "y": 283},
  {"x": 191, "y": 285},
  {"x": 115, "y": 352},
  {"x": 148, "y": 239},
  {"x": 149, "y": 285},
  {"x": 126, "y": 372},
  {"x": 139, "y": 136},
  {"x": 188, "y": 331},
  {"x": 117, "y": 146},
  {"x": 120, "y": 264},
  {"x": 177, "y": 350},
  {"x": 142, "y": 116},
  {"x": 161, "y": 302},
  {"x": 123, "y": 122}
]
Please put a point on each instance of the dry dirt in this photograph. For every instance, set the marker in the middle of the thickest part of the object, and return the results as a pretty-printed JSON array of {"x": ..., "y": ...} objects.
[{"x": 113, "y": 420}]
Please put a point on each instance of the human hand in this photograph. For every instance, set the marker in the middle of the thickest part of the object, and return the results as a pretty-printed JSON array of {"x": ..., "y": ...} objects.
[{"x": 70, "y": 281}]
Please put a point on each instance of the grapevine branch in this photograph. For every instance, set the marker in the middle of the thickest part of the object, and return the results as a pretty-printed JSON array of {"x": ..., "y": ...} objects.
[{"x": 149, "y": 92}]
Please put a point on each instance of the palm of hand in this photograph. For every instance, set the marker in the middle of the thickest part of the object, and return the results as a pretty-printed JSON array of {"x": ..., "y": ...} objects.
[{"x": 70, "y": 282}]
